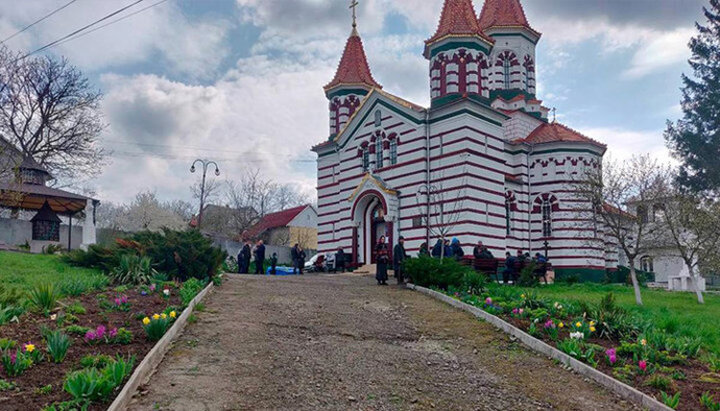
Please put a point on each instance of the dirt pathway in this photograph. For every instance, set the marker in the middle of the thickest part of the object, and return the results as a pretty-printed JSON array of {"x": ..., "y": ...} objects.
[{"x": 340, "y": 342}]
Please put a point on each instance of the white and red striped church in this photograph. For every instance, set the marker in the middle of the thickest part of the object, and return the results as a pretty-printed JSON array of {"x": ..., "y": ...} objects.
[{"x": 484, "y": 149}]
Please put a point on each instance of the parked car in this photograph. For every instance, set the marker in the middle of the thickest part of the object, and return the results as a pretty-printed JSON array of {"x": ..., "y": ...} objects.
[{"x": 315, "y": 264}]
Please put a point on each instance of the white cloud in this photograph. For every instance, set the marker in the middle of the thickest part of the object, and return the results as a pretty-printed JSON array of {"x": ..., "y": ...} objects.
[
  {"x": 624, "y": 143},
  {"x": 660, "y": 50}
]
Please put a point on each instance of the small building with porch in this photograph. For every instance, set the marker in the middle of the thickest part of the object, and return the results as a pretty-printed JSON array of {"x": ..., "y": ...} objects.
[{"x": 37, "y": 215}]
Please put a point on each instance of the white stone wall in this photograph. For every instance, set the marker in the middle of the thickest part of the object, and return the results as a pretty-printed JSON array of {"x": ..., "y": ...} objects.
[
  {"x": 521, "y": 48},
  {"x": 519, "y": 126}
]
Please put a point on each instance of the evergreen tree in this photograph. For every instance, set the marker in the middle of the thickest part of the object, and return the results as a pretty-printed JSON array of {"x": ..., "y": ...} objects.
[{"x": 695, "y": 139}]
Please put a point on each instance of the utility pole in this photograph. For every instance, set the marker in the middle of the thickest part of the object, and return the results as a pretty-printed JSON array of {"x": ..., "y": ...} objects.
[{"x": 205, "y": 164}]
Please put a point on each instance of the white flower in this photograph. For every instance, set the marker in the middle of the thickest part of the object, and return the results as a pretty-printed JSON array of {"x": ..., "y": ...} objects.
[
  {"x": 577, "y": 335},
  {"x": 166, "y": 292},
  {"x": 53, "y": 317}
]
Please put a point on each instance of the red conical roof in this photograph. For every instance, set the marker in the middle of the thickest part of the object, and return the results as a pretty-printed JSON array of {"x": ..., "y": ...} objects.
[
  {"x": 353, "y": 68},
  {"x": 457, "y": 18},
  {"x": 503, "y": 13}
]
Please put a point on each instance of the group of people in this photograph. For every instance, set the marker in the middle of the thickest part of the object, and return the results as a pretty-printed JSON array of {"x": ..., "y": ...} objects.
[
  {"x": 447, "y": 249},
  {"x": 382, "y": 256},
  {"x": 243, "y": 258}
]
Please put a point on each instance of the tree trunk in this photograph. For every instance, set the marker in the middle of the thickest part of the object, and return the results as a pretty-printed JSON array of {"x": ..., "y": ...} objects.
[
  {"x": 636, "y": 285},
  {"x": 696, "y": 286}
]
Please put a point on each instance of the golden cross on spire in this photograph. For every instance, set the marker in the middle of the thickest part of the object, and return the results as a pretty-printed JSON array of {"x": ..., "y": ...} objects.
[{"x": 353, "y": 6}]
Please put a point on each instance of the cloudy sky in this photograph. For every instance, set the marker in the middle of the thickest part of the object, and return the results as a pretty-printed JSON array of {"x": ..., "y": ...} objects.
[{"x": 240, "y": 81}]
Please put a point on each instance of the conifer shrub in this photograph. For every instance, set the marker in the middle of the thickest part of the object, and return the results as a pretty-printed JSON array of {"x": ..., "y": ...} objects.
[{"x": 434, "y": 272}]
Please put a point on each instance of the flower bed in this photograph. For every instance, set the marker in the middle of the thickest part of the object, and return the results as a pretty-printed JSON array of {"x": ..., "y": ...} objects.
[
  {"x": 107, "y": 339},
  {"x": 676, "y": 370}
]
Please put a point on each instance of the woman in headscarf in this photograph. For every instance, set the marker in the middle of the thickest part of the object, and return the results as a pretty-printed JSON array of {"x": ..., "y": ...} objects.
[
  {"x": 456, "y": 249},
  {"x": 382, "y": 255},
  {"x": 423, "y": 250}
]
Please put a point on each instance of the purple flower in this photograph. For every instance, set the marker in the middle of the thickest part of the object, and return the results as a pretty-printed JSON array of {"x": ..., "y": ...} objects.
[
  {"x": 549, "y": 324},
  {"x": 152, "y": 287},
  {"x": 112, "y": 333},
  {"x": 643, "y": 365},
  {"x": 143, "y": 292},
  {"x": 100, "y": 332},
  {"x": 117, "y": 301},
  {"x": 90, "y": 336},
  {"x": 488, "y": 301}
]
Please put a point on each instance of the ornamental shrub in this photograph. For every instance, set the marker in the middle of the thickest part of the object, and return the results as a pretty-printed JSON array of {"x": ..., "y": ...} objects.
[
  {"x": 434, "y": 272},
  {"x": 474, "y": 282},
  {"x": 181, "y": 254},
  {"x": 96, "y": 256}
]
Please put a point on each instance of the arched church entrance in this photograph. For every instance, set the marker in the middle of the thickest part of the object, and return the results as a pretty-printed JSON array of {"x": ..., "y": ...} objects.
[{"x": 370, "y": 212}]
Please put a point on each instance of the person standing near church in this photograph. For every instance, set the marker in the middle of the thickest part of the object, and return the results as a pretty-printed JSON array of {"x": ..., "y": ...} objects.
[
  {"x": 399, "y": 256},
  {"x": 300, "y": 259},
  {"x": 294, "y": 257},
  {"x": 382, "y": 258},
  {"x": 244, "y": 258},
  {"x": 259, "y": 257}
]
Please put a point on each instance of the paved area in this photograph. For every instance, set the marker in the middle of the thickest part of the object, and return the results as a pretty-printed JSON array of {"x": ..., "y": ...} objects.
[{"x": 341, "y": 342}]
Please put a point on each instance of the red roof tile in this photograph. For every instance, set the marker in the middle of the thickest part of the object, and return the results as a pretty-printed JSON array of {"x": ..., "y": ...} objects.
[
  {"x": 503, "y": 13},
  {"x": 457, "y": 18},
  {"x": 353, "y": 68},
  {"x": 274, "y": 220},
  {"x": 552, "y": 132}
]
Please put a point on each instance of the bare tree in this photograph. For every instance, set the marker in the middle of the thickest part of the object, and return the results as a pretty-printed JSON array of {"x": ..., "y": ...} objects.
[
  {"x": 443, "y": 208},
  {"x": 691, "y": 225},
  {"x": 49, "y": 111},
  {"x": 618, "y": 193},
  {"x": 210, "y": 193}
]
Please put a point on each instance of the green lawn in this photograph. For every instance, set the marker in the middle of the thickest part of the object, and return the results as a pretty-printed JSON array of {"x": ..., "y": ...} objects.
[
  {"x": 27, "y": 270},
  {"x": 676, "y": 312}
]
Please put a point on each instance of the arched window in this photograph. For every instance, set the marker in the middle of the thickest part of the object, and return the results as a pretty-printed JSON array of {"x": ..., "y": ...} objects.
[
  {"x": 378, "y": 153},
  {"x": 378, "y": 118},
  {"x": 506, "y": 73},
  {"x": 546, "y": 211},
  {"x": 393, "y": 151},
  {"x": 647, "y": 264},
  {"x": 365, "y": 159}
]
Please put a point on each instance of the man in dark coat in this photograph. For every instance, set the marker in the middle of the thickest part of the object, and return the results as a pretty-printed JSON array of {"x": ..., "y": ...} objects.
[
  {"x": 300, "y": 259},
  {"x": 480, "y": 252},
  {"x": 244, "y": 258},
  {"x": 399, "y": 255},
  {"x": 437, "y": 249},
  {"x": 259, "y": 257},
  {"x": 340, "y": 260},
  {"x": 509, "y": 272},
  {"x": 294, "y": 257}
]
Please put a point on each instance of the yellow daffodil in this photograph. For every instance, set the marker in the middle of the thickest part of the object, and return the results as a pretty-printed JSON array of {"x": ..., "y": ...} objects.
[
  {"x": 29, "y": 347},
  {"x": 146, "y": 321},
  {"x": 592, "y": 323},
  {"x": 156, "y": 317},
  {"x": 172, "y": 314},
  {"x": 561, "y": 325},
  {"x": 163, "y": 316},
  {"x": 578, "y": 324},
  {"x": 643, "y": 342},
  {"x": 592, "y": 329},
  {"x": 522, "y": 295}
]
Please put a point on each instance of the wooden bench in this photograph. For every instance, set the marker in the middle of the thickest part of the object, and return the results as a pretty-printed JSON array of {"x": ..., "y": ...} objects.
[{"x": 487, "y": 266}]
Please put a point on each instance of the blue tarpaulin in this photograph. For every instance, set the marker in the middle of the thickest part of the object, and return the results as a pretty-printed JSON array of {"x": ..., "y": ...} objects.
[{"x": 281, "y": 271}]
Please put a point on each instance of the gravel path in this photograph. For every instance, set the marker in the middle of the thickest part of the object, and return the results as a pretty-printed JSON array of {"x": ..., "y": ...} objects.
[{"x": 341, "y": 342}]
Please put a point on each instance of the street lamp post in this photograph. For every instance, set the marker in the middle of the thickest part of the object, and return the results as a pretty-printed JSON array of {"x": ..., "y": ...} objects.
[{"x": 205, "y": 164}]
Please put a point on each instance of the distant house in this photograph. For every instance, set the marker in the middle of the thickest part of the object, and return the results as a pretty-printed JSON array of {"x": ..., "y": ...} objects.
[
  {"x": 225, "y": 221},
  {"x": 288, "y": 227}
]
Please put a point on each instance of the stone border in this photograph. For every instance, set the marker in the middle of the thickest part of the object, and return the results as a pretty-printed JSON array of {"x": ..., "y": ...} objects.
[
  {"x": 619, "y": 388},
  {"x": 155, "y": 356}
]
